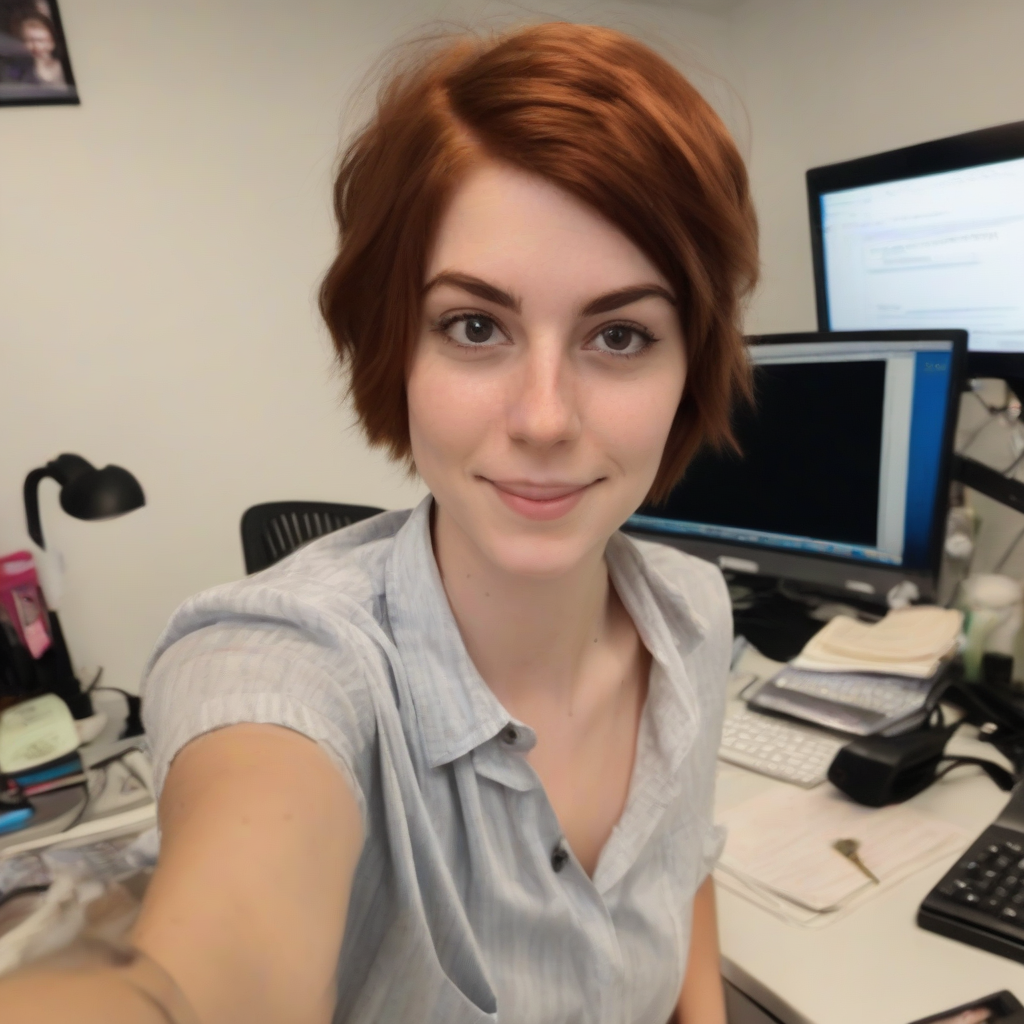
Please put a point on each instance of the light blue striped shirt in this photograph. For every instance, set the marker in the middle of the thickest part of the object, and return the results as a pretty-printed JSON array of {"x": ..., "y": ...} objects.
[{"x": 466, "y": 905}]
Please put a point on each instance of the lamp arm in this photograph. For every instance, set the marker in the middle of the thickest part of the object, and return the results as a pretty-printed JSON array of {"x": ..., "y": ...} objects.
[{"x": 35, "y": 527}]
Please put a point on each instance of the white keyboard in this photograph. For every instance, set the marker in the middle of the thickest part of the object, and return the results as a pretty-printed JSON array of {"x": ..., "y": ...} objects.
[
  {"x": 774, "y": 747},
  {"x": 890, "y": 696}
]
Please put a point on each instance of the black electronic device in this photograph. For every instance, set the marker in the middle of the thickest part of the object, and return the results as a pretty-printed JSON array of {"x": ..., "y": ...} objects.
[
  {"x": 998, "y": 1008},
  {"x": 843, "y": 480},
  {"x": 879, "y": 770},
  {"x": 980, "y": 900},
  {"x": 931, "y": 235}
]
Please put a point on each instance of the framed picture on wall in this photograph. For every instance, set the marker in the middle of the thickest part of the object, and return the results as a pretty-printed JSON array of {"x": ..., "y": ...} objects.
[{"x": 34, "y": 64}]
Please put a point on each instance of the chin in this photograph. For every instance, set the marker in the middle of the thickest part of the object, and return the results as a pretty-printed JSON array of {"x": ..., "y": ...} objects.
[{"x": 538, "y": 555}]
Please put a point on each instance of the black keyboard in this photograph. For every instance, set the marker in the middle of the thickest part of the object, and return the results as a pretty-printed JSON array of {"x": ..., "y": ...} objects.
[{"x": 980, "y": 900}]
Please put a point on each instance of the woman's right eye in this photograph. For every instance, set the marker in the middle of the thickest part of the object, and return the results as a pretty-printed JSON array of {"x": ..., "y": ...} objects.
[{"x": 472, "y": 330}]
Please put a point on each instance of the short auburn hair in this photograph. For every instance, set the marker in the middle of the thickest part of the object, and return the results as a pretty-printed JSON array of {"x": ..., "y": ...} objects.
[{"x": 601, "y": 116}]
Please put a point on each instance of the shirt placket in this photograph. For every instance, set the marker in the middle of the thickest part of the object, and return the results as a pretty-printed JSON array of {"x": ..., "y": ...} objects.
[{"x": 503, "y": 761}]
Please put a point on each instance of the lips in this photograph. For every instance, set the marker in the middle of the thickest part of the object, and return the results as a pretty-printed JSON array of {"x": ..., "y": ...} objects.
[{"x": 539, "y": 501}]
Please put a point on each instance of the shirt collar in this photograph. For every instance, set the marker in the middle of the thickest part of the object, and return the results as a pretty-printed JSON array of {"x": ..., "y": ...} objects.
[{"x": 457, "y": 711}]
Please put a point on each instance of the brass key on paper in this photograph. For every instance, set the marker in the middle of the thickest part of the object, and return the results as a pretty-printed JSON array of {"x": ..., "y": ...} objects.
[{"x": 848, "y": 848}]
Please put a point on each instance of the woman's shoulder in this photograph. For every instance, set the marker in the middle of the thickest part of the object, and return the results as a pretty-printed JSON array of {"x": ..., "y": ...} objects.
[
  {"x": 682, "y": 578},
  {"x": 324, "y": 591},
  {"x": 302, "y": 644}
]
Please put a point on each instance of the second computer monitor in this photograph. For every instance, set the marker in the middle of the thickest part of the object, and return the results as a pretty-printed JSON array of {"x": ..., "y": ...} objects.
[
  {"x": 844, "y": 474},
  {"x": 930, "y": 236}
]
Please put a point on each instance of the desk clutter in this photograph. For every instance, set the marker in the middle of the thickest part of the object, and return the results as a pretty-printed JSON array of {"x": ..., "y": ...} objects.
[
  {"x": 810, "y": 853},
  {"x": 866, "y": 679},
  {"x": 74, "y": 818},
  {"x": 781, "y": 852},
  {"x": 850, "y": 679}
]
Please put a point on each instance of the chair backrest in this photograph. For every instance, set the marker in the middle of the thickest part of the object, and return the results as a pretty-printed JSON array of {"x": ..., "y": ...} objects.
[{"x": 277, "y": 528}]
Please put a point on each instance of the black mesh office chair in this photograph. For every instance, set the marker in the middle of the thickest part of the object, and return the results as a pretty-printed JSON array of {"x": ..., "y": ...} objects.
[{"x": 277, "y": 528}]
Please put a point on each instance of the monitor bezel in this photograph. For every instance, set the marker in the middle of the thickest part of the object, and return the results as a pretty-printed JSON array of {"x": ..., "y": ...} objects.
[
  {"x": 972, "y": 149},
  {"x": 834, "y": 573}
]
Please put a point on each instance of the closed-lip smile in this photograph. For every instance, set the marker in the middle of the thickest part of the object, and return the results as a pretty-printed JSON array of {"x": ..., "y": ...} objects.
[{"x": 539, "y": 501}]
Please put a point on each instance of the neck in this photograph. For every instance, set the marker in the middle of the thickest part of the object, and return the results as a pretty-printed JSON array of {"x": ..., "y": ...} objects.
[{"x": 526, "y": 635}]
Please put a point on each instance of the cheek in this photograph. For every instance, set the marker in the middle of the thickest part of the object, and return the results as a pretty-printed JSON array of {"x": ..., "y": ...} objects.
[
  {"x": 633, "y": 422},
  {"x": 450, "y": 411}
]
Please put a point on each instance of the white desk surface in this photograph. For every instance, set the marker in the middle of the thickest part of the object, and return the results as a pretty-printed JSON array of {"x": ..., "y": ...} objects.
[{"x": 874, "y": 966}]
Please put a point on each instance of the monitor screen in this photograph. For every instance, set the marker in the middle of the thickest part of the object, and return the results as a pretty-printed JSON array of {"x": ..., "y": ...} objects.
[
  {"x": 927, "y": 237},
  {"x": 940, "y": 250},
  {"x": 844, "y": 459}
]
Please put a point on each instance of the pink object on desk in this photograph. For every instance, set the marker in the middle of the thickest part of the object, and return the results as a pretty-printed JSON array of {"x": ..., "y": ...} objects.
[{"x": 22, "y": 608}]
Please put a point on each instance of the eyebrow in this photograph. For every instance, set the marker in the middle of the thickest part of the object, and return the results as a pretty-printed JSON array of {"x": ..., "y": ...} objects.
[
  {"x": 625, "y": 296},
  {"x": 475, "y": 286},
  {"x": 602, "y": 304}
]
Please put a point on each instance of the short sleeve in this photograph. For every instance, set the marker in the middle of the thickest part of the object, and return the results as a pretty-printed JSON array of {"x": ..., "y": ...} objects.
[
  {"x": 218, "y": 666},
  {"x": 711, "y": 849}
]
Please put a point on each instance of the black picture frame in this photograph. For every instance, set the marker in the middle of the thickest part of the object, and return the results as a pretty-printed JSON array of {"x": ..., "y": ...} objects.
[{"x": 34, "y": 71}]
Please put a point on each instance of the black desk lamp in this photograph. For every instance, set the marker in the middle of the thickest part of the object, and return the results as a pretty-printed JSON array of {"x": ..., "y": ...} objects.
[{"x": 86, "y": 493}]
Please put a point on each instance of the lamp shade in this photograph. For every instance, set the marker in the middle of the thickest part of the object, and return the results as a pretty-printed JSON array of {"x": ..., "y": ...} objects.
[
  {"x": 101, "y": 494},
  {"x": 86, "y": 492}
]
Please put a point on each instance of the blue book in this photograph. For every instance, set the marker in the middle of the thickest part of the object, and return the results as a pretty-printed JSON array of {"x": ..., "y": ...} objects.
[{"x": 15, "y": 818}]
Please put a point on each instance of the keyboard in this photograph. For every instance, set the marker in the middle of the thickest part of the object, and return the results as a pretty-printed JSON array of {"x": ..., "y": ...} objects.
[
  {"x": 980, "y": 900},
  {"x": 777, "y": 748}
]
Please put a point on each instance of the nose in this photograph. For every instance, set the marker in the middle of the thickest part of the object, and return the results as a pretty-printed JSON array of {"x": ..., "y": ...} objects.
[{"x": 543, "y": 408}]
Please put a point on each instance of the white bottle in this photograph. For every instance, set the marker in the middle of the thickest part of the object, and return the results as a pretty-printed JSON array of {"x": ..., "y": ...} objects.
[{"x": 993, "y": 614}]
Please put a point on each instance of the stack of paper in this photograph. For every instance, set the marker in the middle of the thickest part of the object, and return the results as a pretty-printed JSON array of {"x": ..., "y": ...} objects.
[
  {"x": 907, "y": 642},
  {"x": 780, "y": 852}
]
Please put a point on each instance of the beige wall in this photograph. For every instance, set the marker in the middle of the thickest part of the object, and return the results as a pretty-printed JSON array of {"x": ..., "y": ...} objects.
[{"x": 160, "y": 248}]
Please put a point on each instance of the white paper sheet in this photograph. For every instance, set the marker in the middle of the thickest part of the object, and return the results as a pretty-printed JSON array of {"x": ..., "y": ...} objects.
[{"x": 780, "y": 842}]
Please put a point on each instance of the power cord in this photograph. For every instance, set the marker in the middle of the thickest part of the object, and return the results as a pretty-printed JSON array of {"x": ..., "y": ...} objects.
[
  {"x": 997, "y": 773},
  {"x": 133, "y": 721}
]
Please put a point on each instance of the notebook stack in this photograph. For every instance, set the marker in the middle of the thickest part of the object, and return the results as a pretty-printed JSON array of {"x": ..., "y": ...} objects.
[{"x": 883, "y": 678}]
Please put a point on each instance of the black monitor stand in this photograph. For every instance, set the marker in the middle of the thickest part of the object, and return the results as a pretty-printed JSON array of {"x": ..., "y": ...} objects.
[{"x": 775, "y": 616}]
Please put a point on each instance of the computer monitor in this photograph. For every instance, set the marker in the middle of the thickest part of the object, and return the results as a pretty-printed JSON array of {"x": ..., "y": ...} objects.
[
  {"x": 843, "y": 480},
  {"x": 931, "y": 236}
]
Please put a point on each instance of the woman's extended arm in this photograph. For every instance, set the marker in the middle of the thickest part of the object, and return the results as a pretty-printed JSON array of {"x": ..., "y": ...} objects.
[
  {"x": 246, "y": 910},
  {"x": 702, "y": 1000}
]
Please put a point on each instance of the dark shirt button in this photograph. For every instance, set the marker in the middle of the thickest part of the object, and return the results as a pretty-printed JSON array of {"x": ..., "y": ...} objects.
[
  {"x": 559, "y": 858},
  {"x": 509, "y": 734}
]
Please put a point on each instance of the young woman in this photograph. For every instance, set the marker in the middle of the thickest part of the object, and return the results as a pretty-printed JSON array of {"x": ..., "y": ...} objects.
[{"x": 456, "y": 765}]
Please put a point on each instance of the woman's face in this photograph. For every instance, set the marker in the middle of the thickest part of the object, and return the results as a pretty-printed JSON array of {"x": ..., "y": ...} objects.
[
  {"x": 547, "y": 373},
  {"x": 37, "y": 39}
]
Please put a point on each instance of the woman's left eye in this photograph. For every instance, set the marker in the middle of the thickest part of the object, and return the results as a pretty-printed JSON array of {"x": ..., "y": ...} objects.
[{"x": 621, "y": 340}]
